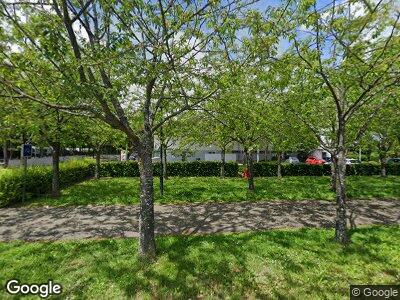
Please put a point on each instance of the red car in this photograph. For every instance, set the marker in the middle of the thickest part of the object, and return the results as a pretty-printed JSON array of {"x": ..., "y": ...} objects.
[{"x": 312, "y": 160}]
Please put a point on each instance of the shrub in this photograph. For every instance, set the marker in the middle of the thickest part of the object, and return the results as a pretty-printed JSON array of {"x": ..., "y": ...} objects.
[
  {"x": 38, "y": 180},
  {"x": 372, "y": 169},
  {"x": 269, "y": 169},
  {"x": 119, "y": 169},
  {"x": 184, "y": 169}
]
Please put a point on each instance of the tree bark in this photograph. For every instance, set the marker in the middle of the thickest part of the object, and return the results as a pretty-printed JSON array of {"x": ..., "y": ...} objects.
[
  {"x": 147, "y": 245},
  {"x": 162, "y": 169},
  {"x": 382, "y": 160},
  {"x": 162, "y": 161},
  {"x": 184, "y": 155},
  {"x": 55, "y": 185},
  {"x": 341, "y": 234},
  {"x": 97, "y": 168},
  {"x": 165, "y": 173},
  {"x": 222, "y": 171},
  {"x": 279, "y": 162},
  {"x": 383, "y": 148},
  {"x": 5, "y": 153},
  {"x": 333, "y": 176},
  {"x": 249, "y": 162}
]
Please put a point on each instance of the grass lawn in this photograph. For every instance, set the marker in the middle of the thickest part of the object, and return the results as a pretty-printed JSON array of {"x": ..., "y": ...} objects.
[
  {"x": 3, "y": 171},
  {"x": 294, "y": 264},
  {"x": 180, "y": 190}
]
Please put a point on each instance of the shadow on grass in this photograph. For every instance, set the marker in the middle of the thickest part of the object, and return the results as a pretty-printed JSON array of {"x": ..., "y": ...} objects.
[
  {"x": 249, "y": 265},
  {"x": 275, "y": 264}
]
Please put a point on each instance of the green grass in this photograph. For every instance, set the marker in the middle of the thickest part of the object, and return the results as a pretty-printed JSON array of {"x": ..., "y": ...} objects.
[
  {"x": 3, "y": 171},
  {"x": 180, "y": 190},
  {"x": 289, "y": 264}
]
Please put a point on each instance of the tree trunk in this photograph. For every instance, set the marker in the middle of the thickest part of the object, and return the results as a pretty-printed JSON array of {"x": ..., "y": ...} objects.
[
  {"x": 333, "y": 175},
  {"x": 165, "y": 173},
  {"x": 279, "y": 158},
  {"x": 222, "y": 171},
  {"x": 161, "y": 161},
  {"x": 5, "y": 152},
  {"x": 249, "y": 162},
  {"x": 147, "y": 247},
  {"x": 126, "y": 153},
  {"x": 97, "y": 168},
  {"x": 55, "y": 185},
  {"x": 183, "y": 155},
  {"x": 341, "y": 234},
  {"x": 161, "y": 169},
  {"x": 382, "y": 160},
  {"x": 382, "y": 148}
]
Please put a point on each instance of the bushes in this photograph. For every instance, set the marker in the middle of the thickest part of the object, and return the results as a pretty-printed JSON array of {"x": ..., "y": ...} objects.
[
  {"x": 119, "y": 169},
  {"x": 38, "y": 180},
  {"x": 185, "y": 169},
  {"x": 372, "y": 169},
  {"x": 261, "y": 169},
  {"x": 269, "y": 169}
]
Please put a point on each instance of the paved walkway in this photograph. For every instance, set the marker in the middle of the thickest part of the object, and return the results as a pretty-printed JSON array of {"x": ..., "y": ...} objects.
[{"x": 51, "y": 223}]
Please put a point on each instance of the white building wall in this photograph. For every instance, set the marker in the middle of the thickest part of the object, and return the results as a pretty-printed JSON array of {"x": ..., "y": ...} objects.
[{"x": 217, "y": 157}]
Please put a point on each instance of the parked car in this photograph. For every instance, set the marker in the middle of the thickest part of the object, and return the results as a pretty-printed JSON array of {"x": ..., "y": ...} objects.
[
  {"x": 352, "y": 161},
  {"x": 394, "y": 160},
  {"x": 293, "y": 160},
  {"x": 312, "y": 160}
]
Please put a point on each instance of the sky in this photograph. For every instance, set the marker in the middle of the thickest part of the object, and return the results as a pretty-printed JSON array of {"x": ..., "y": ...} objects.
[{"x": 263, "y": 4}]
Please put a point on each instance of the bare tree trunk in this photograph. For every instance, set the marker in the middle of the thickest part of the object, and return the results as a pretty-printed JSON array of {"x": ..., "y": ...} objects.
[
  {"x": 55, "y": 185},
  {"x": 249, "y": 162},
  {"x": 5, "y": 152},
  {"x": 97, "y": 168},
  {"x": 162, "y": 169},
  {"x": 382, "y": 160},
  {"x": 279, "y": 171},
  {"x": 333, "y": 176},
  {"x": 222, "y": 171},
  {"x": 162, "y": 160},
  {"x": 183, "y": 156},
  {"x": 23, "y": 159},
  {"x": 165, "y": 162},
  {"x": 147, "y": 247},
  {"x": 341, "y": 234},
  {"x": 24, "y": 165}
]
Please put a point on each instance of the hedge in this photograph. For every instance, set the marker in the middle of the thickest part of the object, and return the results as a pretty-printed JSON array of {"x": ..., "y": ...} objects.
[
  {"x": 39, "y": 178},
  {"x": 184, "y": 169},
  {"x": 269, "y": 169}
]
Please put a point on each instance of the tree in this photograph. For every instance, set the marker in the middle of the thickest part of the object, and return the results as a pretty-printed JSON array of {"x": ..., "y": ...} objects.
[
  {"x": 118, "y": 61},
  {"x": 348, "y": 61},
  {"x": 98, "y": 135},
  {"x": 285, "y": 132},
  {"x": 240, "y": 112},
  {"x": 200, "y": 128},
  {"x": 384, "y": 132}
]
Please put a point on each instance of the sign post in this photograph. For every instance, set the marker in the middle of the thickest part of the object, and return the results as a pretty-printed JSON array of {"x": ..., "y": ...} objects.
[{"x": 27, "y": 150}]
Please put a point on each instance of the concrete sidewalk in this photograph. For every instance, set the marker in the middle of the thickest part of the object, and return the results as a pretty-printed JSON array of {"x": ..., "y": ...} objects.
[{"x": 54, "y": 223}]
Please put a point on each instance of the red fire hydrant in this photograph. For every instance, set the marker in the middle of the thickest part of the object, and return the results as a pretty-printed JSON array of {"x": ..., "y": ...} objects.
[{"x": 246, "y": 173}]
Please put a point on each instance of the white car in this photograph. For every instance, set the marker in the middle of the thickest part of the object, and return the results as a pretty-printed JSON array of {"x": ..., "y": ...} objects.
[
  {"x": 352, "y": 161},
  {"x": 293, "y": 160}
]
